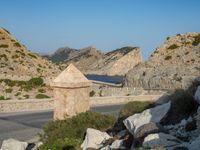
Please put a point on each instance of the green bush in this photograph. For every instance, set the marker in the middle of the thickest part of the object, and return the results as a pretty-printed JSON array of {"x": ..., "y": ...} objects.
[
  {"x": 3, "y": 46},
  {"x": 92, "y": 93},
  {"x": 9, "y": 90},
  {"x": 62, "y": 144},
  {"x": 32, "y": 55},
  {"x": 16, "y": 44},
  {"x": 168, "y": 57},
  {"x": 26, "y": 96},
  {"x": 182, "y": 106},
  {"x": 2, "y": 98},
  {"x": 41, "y": 90},
  {"x": 173, "y": 46},
  {"x": 41, "y": 96},
  {"x": 37, "y": 81},
  {"x": 73, "y": 129},
  {"x": 132, "y": 108},
  {"x": 196, "y": 40}
]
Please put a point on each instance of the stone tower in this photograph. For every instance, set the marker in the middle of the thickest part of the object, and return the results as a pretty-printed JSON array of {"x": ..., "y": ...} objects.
[{"x": 71, "y": 93}]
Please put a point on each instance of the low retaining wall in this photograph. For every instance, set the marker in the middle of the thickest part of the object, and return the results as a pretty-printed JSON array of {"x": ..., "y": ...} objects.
[
  {"x": 25, "y": 105},
  {"x": 96, "y": 101},
  {"x": 46, "y": 104}
]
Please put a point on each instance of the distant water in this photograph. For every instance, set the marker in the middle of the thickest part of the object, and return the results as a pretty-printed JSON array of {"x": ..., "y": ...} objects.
[{"x": 104, "y": 78}]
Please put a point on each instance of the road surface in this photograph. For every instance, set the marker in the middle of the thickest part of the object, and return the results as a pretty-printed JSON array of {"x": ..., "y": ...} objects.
[{"x": 25, "y": 126}]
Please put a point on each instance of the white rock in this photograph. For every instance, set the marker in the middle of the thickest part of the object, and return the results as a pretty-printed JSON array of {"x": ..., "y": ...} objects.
[
  {"x": 94, "y": 139},
  {"x": 155, "y": 114},
  {"x": 12, "y": 144},
  {"x": 160, "y": 139},
  {"x": 117, "y": 144},
  {"x": 197, "y": 95}
]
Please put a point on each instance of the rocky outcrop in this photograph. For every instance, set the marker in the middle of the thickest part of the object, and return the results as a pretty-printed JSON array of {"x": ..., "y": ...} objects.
[
  {"x": 168, "y": 66},
  {"x": 91, "y": 61},
  {"x": 16, "y": 59},
  {"x": 160, "y": 140},
  {"x": 94, "y": 139},
  {"x": 12, "y": 144},
  {"x": 154, "y": 115}
]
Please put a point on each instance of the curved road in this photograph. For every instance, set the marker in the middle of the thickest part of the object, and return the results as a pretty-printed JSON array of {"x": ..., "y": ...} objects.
[{"x": 25, "y": 126}]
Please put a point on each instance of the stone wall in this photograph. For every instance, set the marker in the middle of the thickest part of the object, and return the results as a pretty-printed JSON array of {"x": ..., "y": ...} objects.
[
  {"x": 26, "y": 105},
  {"x": 47, "y": 104}
]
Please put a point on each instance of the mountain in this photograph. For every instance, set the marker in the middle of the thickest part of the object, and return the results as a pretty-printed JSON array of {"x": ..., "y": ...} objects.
[
  {"x": 172, "y": 65},
  {"x": 62, "y": 54},
  {"x": 117, "y": 62},
  {"x": 91, "y": 61},
  {"x": 17, "y": 60}
]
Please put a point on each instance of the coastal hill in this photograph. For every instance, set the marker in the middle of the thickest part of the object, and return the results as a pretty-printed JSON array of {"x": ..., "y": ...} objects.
[
  {"x": 92, "y": 61},
  {"x": 173, "y": 65},
  {"x": 16, "y": 59}
]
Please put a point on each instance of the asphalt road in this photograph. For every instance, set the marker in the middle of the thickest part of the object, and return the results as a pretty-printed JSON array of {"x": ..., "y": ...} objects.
[{"x": 25, "y": 126}]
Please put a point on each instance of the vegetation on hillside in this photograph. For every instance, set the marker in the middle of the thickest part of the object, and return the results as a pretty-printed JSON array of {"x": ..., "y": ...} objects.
[{"x": 69, "y": 133}]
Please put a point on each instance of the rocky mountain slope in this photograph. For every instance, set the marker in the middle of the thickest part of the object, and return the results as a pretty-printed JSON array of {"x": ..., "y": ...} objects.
[
  {"x": 172, "y": 65},
  {"x": 17, "y": 60},
  {"x": 118, "y": 62},
  {"x": 91, "y": 61}
]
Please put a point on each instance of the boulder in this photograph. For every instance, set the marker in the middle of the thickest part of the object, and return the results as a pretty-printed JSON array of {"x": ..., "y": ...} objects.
[
  {"x": 117, "y": 144},
  {"x": 145, "y": 130},
  {"x": 12, "y": 144},
  {"x": 160, "y": 139},
  {"x": 94, "y": 139},
  {"x": 155, "y": 114},
  {"x": 197, "y": 95}
]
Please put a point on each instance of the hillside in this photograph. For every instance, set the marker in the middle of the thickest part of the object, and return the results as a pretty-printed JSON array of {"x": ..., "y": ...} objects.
[
  {"x": 118, "y": 62},
  {"x": 91, "y": 61},
  {"x": 16, "y": 60},
  {"x": 172, "y": 65}
]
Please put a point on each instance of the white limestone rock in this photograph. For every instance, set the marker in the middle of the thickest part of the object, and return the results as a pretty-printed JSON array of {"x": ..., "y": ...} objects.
[
  {"x": 117, "y": 144},
  {"x": 197, "y": 95},
  {"x": 155, "y": 114},
  {"x": 160, "y": 139},
  {"x": 12, "y": 144},
  {"x": 94, "y": 139}
]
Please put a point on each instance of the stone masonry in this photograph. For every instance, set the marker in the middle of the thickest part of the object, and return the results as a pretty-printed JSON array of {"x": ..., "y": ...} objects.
[{"x": 71, "y": 93}]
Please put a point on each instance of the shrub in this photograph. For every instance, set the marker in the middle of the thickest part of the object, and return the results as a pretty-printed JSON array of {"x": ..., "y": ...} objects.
[
  {"x": 32, "y": 55},
  {"x": 173, "y": 46},
  {"x": 41, "y": 90},
  {"x": 62, "y": 144},
  {"x": 168, "y": 38},
  {"x": 8, "y": 90},
  {"x": 70, "y": 132},
  {"x": 168, "y": 57},
  {"x": 3, "y": 46},
  {"x": 16, "y": 44},
  {"x": 37, "y": 81},
  {"x": 26, "y": 96},
  {"x": 132, "y": 108},
  {"x": 92, "y": 93},
  {"x": 18, "y": 93},
  {"x": 41, "y": 96},
  {"x": 182, "y": 106},
  {"x": 196, "y": 40},
  {"x": 2, "y": 98}
]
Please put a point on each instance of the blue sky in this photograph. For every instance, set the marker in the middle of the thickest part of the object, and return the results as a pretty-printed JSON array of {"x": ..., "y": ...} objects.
[{"x": 45, "y": 25}]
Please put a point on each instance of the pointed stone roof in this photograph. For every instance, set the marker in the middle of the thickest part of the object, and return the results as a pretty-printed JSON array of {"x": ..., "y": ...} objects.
[{"x": 71, "y": 77}]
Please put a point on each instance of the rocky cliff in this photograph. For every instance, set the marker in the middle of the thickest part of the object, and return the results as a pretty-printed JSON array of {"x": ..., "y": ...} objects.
[
  {"x": 92, "y": 61},
  {"x": 16, "y": 59},
  {"x": 172, "y": 65},
  {"x": 118, "y": 62}
]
